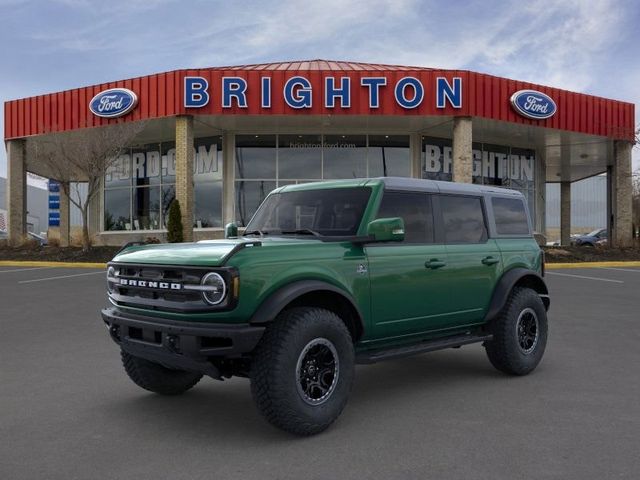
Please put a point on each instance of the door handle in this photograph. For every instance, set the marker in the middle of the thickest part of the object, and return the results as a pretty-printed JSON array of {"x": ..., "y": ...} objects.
[
  {"x": 434, "y": 263},
  {"x": 490, "y": 260}
]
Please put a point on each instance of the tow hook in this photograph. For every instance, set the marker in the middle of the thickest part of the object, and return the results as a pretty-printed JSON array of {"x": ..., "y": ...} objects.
[{"x": 172, "y": 343}]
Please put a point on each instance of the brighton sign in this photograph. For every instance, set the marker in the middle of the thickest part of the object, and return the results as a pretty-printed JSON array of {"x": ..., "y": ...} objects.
[
  {"x": 297, "y": 92},
  {"x": 533, "y": 104},
  {"x": 113, "y": 103}
]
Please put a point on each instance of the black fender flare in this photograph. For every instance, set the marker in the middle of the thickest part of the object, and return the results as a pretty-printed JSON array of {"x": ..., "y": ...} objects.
[
  {"x": 509, "y": 280},
  {"x": 278, "y": 300}
]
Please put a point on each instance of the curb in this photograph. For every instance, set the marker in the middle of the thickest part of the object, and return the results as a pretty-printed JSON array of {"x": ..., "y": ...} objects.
[
  {"x": 548, "y": 266},
  {"x": 29, "y": 263},
  {"x": 552, "y": 266}
]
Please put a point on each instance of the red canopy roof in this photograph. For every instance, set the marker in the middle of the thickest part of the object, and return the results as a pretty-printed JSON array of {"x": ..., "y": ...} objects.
[{"x": 161, "y": 95}]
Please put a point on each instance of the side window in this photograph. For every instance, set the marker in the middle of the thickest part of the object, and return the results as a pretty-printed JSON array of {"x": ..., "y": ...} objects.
[
  {"x": 463, "y": 219},
  {"x": 415, "y": 210},
  {"x": 510, "y": 215}
]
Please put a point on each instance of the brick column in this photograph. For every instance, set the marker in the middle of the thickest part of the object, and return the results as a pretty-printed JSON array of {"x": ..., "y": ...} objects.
[
  {"x": 621, "y": 236},
  {"x": 565, "y": 213},
  {"x": 462, "y": 150},
  {"x": 64, "y": 217},
  {"x": 16, "y": 191},
  {"x": 184, "y": 172},
  {"x": 228, "y": 178}
]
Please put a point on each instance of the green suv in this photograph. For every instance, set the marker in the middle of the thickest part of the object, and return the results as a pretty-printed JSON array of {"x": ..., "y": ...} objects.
[{"x": 326, "y": 276}]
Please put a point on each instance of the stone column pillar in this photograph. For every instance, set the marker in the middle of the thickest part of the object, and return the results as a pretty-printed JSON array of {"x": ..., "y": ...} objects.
[
  {"x": 64, "y": 216},
  {"x": 610, "y": 200},
  {"x": 565, "y": 213},
  {"x": 621, "y": 236},
  {"x": 16, "y": 191},
  {"x": 228, "y": 178},
  {"x": 184, "y": 173},
  {"x": 462, "y": 150}
]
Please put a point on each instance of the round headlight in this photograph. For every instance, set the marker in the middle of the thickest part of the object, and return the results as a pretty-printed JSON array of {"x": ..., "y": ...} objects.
[
  {"x": 215, "y": 288},
  {"x": 111, "y": 276}
]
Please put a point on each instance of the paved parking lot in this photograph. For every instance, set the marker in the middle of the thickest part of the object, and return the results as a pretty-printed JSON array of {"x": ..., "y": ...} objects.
[{"x": 69, "y": 412}]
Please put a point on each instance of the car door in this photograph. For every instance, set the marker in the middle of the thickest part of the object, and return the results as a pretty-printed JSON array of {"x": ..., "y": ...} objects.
[
  {"x": 408, "y": 295},
  {"x": 474, "y": 262}
]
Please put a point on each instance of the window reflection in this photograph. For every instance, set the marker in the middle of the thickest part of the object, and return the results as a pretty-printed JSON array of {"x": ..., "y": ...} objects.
[
  {"x": 146, "y": 208},
  {"x": 208, "y": 205},
  {"x": 256, "y": 156},
  {"x": 117, "y": 213},
  {"x": 389, "y": 156},
  {"x": 300, "y": 156},
  {"x": 151, "y": 169},
  {"x": 308, "y": 158},
  {"x": 345, "y": 156},
  {"x": 249, "y": 195},
  {"x": 498, "y": 165}
]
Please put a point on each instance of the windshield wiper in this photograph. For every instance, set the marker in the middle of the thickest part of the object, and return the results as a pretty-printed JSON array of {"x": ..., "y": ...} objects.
[{"x": 301, "y": 231}]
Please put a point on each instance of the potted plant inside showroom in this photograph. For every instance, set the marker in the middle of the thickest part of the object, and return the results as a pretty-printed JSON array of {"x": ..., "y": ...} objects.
[{"x": 174, "y": 224}]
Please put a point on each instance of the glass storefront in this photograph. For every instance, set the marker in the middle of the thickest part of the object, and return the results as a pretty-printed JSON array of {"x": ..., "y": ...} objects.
[
  {"x": 140, "y": 186},
  {"x": 498, "y": 165},
  {"x": 264, "y": 162}
]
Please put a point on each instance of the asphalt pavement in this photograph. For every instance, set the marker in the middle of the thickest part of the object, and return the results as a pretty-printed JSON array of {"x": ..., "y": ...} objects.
[{"x": 68, "y": 411}]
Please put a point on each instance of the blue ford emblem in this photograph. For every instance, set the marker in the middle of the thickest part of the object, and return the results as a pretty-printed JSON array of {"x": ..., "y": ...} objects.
[
  {"x": 533, "y": 104},
  {"x": 114, "y": 102}
]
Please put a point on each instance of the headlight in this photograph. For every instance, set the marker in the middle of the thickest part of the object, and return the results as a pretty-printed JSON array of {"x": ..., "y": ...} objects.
[
  {"x": 111, "y": 274},
  {"x": 215, "y": 289}
]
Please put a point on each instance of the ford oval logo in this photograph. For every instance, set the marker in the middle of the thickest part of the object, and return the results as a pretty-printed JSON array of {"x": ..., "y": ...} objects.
[
  {"x": 114, "y": 102},
  {"x": 533, "y": 104}
]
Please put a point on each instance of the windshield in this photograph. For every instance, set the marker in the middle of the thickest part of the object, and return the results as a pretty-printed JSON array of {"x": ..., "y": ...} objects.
[
  {"x": 325, "y": 212},
  {"x": 595, "y": 233}
]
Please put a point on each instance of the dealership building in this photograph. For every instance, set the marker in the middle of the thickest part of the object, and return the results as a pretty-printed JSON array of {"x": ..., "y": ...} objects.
[{"x": 219, "y": 139}]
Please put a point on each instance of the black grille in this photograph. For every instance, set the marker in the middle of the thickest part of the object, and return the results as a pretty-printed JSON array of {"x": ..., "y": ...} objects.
[{"x": 156, "y": 292}]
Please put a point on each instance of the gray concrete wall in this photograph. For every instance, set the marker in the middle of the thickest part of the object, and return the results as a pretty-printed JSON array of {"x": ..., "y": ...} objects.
[{"x": 37, "y": 206}]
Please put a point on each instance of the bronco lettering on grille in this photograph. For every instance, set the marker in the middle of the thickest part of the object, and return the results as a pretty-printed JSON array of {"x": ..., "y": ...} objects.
[{"x": 150, "y": 284}]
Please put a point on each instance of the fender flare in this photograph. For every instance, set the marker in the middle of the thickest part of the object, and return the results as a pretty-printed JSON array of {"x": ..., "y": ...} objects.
[
  {"x": 278, "y": 300},
  {"x": 506, "y": 283}
]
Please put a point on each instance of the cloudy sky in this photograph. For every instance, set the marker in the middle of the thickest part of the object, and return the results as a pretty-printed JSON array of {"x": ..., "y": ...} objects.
[{"x": 585, "y": 45}]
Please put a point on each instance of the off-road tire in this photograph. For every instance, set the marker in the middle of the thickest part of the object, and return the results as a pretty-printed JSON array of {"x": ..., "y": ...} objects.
[
  {"x": 156, "y": 378},
  {"x": 275, "y": 370},
  {"x": 504, "y": 350}
]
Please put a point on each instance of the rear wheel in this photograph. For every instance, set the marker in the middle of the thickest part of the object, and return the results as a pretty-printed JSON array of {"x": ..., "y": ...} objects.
[
  {"x": 156, "y": 378},
  {"x": 302, "y": 370},
  {"x": 519, "y": 333}
]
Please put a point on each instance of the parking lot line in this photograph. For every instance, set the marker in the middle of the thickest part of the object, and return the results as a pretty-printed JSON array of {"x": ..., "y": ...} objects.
[
  {"x": 23, "y": 269},
  {"x": 60, "y": 276},
  {"x": 637, "y": 270},
  {"x": 585, "y": 277}
]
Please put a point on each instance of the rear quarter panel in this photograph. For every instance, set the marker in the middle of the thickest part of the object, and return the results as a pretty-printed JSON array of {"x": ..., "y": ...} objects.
[{"x": 520, "y": 252}]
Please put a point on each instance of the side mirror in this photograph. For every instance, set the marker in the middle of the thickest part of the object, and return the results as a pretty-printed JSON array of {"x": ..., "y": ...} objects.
[
  {"x": 230, "y": 230},
  {"x": 386, "y": 229}
]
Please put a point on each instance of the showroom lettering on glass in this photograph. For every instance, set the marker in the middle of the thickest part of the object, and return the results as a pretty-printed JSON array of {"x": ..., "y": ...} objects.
[
  {"x": 151, "y": 164},
  {"x": 486, "y": 163}
]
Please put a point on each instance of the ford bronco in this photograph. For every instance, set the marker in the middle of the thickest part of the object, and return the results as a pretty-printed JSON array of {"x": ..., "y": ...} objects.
[{"x": 329, "y": 275}]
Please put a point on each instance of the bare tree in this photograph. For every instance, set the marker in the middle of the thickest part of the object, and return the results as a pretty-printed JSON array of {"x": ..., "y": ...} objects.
[{"x": 82, "y": 156}]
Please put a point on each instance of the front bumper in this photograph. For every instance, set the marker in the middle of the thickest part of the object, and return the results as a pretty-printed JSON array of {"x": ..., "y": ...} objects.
[{"x": 187, "y": 346}]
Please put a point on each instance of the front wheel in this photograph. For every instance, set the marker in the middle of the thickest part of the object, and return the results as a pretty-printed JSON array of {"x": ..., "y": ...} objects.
[
  {"x": 519, "y": 333},
  {"x": 302, "y": 370}
]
